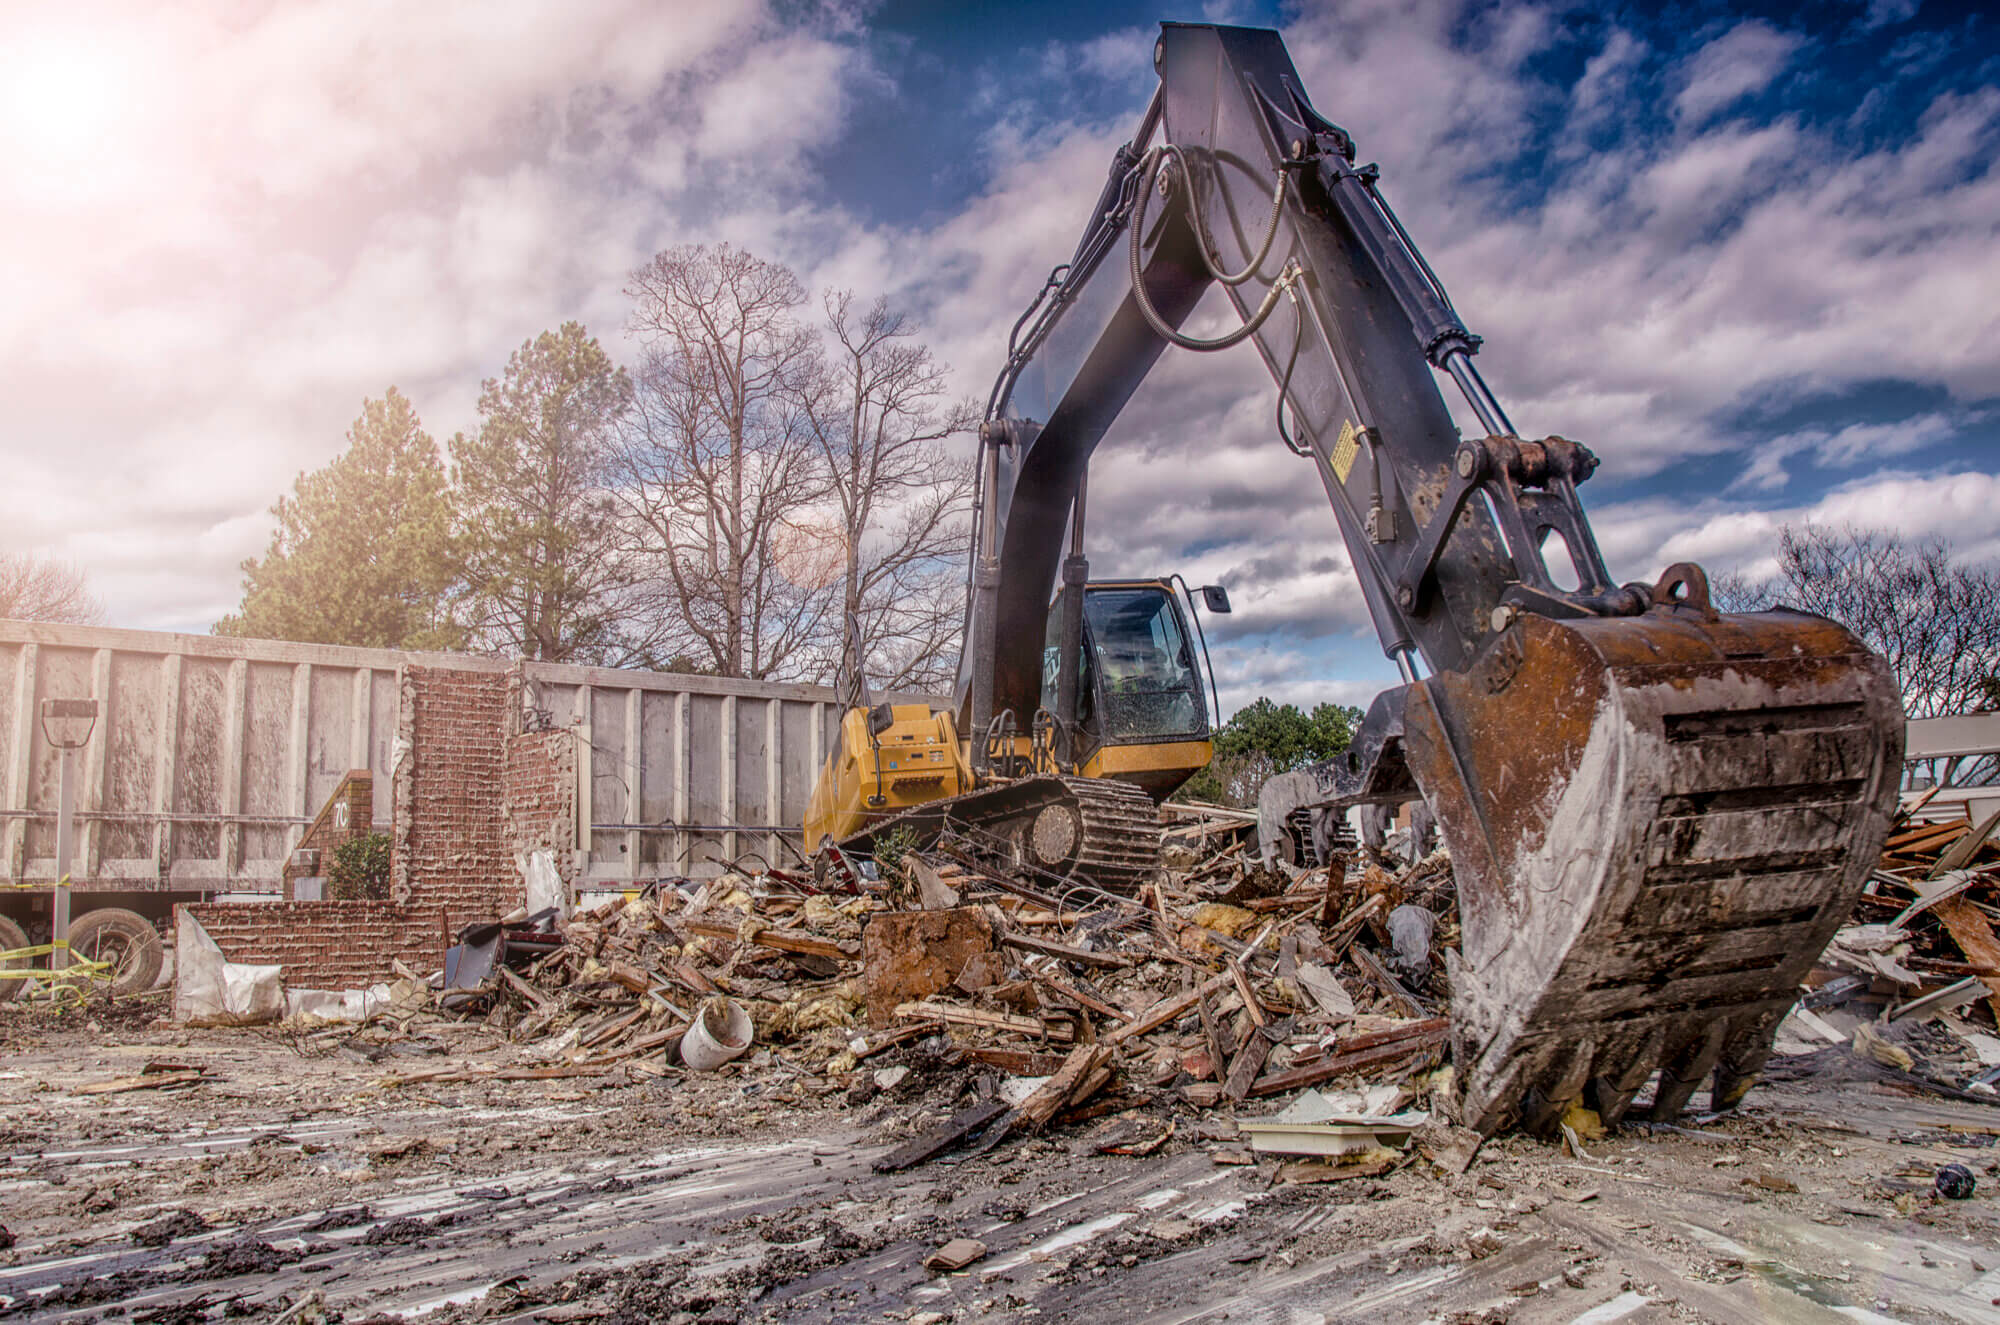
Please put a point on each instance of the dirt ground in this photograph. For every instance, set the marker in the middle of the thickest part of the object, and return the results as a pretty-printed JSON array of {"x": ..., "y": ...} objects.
[{"x": 290, "y": 1183}]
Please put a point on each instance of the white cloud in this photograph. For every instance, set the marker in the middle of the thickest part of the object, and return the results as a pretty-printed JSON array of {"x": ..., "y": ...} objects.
[
  {"x": 244, "y": 223},
  {"x": 1742, "y": 61},
  {"x": 215, "y": 304},
  {"x": 1641, "y": 538},
  {"x": 1843, "y": 447}
]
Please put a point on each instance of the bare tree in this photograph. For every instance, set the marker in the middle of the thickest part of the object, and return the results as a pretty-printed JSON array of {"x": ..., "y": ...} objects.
[
  {"x": 1936, "y": 619},
  {"x": 40, "y": 589},
  {"x": 880, "y": 417},
  {"x": 720, "y": 477}
]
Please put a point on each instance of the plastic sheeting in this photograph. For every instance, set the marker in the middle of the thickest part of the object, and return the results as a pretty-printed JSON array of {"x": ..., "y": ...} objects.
[
  {"x": 543, "y": 882},
  {"x": 211, "y": 990}
]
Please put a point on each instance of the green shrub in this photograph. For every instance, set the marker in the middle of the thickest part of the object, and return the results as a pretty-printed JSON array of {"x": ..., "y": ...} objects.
[{"x": 360, "y": 869}]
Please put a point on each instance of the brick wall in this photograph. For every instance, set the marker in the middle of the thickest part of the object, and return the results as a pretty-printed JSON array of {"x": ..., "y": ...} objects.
[
  {"x": 466, "y": 796},
  {"x": 539, "y": 795},
  {"x": 326, "y": 945},
  {"x": 450, "y": 846},
  {"x": 348, "y": 813}
]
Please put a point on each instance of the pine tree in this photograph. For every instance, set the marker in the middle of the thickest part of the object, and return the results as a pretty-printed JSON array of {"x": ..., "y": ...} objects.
[
  {"x": 536, "y": 521},
  {"x": 362, "y": 553}
]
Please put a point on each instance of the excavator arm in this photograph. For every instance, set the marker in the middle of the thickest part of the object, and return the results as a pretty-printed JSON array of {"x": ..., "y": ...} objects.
[{"x": 1657, "y": 813}]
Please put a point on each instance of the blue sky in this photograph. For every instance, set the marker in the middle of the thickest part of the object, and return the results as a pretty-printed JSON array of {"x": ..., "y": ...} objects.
[{"x": 1748, "y": 255}]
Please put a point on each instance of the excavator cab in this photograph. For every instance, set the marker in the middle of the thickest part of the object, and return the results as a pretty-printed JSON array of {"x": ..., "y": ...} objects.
[{"x": 1142, "y": 706}]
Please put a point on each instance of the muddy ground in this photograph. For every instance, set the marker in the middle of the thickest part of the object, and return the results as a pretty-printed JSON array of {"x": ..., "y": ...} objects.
[{"x": 291, "y": 1183}]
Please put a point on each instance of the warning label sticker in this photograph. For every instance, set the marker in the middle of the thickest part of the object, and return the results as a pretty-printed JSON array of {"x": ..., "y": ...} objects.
[{"x": 1345, "y": 450}]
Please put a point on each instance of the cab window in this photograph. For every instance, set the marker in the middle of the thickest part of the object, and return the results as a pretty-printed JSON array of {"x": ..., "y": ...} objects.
[{"x": 1145, "y": 669}]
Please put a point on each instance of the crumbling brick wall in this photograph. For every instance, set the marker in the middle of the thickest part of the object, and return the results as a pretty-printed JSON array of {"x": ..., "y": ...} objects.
[
  {"x": 450, "y": 847},
  {"x": 457, "y": 776},
  {"x": 326, "y": 945},
  {"x": 348, "y": 813},
  {"x": 539, "y": 793}
]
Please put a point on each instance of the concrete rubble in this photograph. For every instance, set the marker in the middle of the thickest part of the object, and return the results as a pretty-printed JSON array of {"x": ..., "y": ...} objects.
[{"x": 948, "y": 1095}]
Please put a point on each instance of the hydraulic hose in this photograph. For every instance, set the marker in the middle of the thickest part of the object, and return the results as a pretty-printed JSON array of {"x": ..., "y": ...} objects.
[{"x": 1150, "y": 171}]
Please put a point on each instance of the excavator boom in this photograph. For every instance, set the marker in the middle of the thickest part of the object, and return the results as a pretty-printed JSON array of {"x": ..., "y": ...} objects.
[{"x": 1657, "y": 813}]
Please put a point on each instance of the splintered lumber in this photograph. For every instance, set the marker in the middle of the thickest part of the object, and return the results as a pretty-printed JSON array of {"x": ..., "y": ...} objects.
[
  {"x": 876, "y": 1043},
  {"x": 1357, "y": 1052},
  {"x": 611, "y": 1032},
  {"x": 1066, "y": 952},
  {"x": 961, "y": 1125},
  {"x": 954, "y": 1015},
  {"x": 645, "y": 1044},
  {"x": 1249, "y": 1061},
  {"x": 1082, "y": 999},
  {"x": 1168, "y": 1009},
  {"x": 148, "y": 1081},
  {"x": 629, "y": 976},
  {"x": 534, "y": 996},
  {"x": 780, "y": 940},
  {"x": 1066, "y": 1087},
  {"x": 1337, "y": 939},
  {"x": 1302, "y": 898},
  {"x": 1017, "y": 1062},
  {"x": 1973, "y": 934},
  {"x": 934, "y": 883},
  {"x": 1392, "y": 988},
  {"x": 1929, "y": 837},
  {"x": 1211, "y": 1033},
  {"x": 1249, "y": 995},
  {"x": 687, "y": 975}
]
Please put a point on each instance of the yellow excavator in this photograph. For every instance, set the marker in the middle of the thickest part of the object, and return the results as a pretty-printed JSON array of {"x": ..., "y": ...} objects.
[
  {"x": 1657, "y": 813},
  {"x": 1074, "y": 798}
]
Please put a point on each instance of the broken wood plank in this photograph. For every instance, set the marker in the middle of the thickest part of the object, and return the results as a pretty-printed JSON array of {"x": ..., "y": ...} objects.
[
  {"x": 1342, "y": 934},
  {"x": 1243, "y": 1070},
  {"x": 1065, "y": 1087},
  {"x": 534, "y": 996},
  {"x": 146, "y": 1081},
  {"x": 1066, "y": 952},
  {"x": 1082, "y": 999},
  {"x": 1392, "y": 988},
  {"x": 685, "y": 974},
  {"x": 1358, "y": 1052},
  {"x": 780, "y": 940},
  {"x": 1218, "y": 1052},
  {"x": 876, "y": 1043},
  {"x": 1017, "y": 1062},
  {"x": 954, "y": 1015},
  {"x": 1302, "y": 898},
  {"x": 1250, "y": 1002},
  {"x": 645, "y": 1044},
  {"x": 1973, "y": 934},
  {"x": 611, "y": 1032},
  {"x": 1167, "y": 1009},
  {"x": 934, "y": 883},
  {"x": 936, "y": 1141}
]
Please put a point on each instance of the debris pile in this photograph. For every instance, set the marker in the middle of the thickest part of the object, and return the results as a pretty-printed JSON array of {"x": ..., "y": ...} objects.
[
  {"x": 1912, "y": 983},
  {"x": 1223, "y": 981}
]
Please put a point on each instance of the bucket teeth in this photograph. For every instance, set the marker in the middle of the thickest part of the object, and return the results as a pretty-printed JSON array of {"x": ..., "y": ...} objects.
[{"x": 1656, "y": 824}]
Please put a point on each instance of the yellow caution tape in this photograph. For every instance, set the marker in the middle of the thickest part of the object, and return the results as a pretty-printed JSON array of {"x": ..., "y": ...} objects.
[{"x": 78, "y": 966}]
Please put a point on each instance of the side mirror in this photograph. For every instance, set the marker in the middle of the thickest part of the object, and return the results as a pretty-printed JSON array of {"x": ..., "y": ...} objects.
[{"x": 1215, "y": 598}]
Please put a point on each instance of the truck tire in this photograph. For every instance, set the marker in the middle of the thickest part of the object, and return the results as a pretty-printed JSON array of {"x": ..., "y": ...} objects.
[
  {"x": 11, "y": 937},
  {"x": 124, "y": 939}
]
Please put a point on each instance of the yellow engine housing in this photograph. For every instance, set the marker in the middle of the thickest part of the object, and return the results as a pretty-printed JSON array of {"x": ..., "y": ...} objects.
[{"x": 914, "y": 760}]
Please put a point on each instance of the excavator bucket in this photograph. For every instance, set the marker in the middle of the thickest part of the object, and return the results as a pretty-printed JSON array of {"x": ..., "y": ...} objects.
[{"x": 1656, "y": 823}]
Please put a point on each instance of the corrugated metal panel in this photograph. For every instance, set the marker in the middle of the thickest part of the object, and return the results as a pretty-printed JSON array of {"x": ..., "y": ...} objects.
[
  {"x": 208, "y": 758},
  {"x": 212, "y": 754},
  {"x": 687, "y": 772}
]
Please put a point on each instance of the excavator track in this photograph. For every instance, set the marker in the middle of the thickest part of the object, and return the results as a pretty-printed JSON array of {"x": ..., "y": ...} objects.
[
  {"x": 1091, "y": 830},
  {"x": 1656, "y": 825}
]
